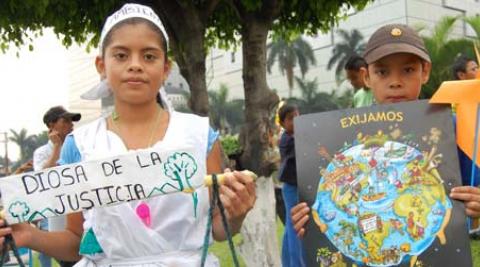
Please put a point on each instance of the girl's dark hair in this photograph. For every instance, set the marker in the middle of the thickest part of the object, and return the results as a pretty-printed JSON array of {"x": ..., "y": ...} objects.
[
  {"x": 159, "y": 100},
  {"x": 134, "y": 21},
  {"x": 285, "y": 110}
]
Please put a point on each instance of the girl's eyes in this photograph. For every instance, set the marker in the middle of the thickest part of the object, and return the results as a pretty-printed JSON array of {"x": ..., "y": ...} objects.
[
  {"x": 150, "y": 57},
  {"x": 124, "y": 56},
  {"x": 120, "y": 56}
]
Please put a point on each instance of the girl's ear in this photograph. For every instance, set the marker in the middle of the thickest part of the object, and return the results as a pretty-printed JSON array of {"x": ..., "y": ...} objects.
[
  {"x": 100, "y": 65},
  {"x": 426, "y": 68},
  {"x": 166, "y": 70}
]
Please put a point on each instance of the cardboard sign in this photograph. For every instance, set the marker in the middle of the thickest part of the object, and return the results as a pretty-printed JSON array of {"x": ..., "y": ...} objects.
[
  {"x": 377, "y": 180},
  {"x": 71, "y": 188}
]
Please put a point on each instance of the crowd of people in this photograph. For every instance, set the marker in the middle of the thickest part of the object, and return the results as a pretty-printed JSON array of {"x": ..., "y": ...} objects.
[{"x": 133, "y": 66}]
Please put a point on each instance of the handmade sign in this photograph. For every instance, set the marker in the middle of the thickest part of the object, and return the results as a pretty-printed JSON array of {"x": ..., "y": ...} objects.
[
  {"x": 377, "y": 180},
  {"x": 71, "y": 188}
]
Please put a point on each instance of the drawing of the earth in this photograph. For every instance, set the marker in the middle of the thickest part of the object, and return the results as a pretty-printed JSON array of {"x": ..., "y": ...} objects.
[{"x": 382, "y": 203}]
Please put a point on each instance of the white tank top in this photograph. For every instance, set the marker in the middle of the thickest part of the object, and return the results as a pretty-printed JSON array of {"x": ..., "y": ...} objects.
[{"x": 175, "y": 236}]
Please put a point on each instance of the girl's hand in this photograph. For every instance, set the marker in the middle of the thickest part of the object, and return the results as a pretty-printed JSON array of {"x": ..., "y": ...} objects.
[
  {"x": 237, "y": 194},
  {"x": 300, "y": 216},
  {"x": 22, "y": 233},
  {"x": 470, "y": 196}
]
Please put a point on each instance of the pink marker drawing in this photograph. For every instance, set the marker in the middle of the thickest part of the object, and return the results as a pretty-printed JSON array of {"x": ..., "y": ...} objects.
[{"x": 143, "y": 212}]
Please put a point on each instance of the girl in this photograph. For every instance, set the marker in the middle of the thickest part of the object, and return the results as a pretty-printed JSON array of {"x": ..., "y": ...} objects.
[{"x": 134, "y": 64}]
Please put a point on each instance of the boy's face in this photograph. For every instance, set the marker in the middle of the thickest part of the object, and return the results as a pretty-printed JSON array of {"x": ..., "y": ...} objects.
[
  {"x": 63, "y": 126},
  {"x": 470, "y": 73},
  {"x": 287, "y": 123},
  {"x": 397, "y": 77},
  {"x": 356, "y": 78}
]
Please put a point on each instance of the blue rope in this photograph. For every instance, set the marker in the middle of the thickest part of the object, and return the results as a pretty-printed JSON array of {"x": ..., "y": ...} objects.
[
  {"x": 9, "y": 241},
  {"x": 214, "y": 202}
]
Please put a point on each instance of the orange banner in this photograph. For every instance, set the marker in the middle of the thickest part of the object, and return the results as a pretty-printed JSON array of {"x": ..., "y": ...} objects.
[{"x": 466, "y": 94}]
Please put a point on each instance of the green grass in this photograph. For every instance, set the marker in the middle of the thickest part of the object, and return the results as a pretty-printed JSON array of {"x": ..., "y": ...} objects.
[{"x": 221, "y": 250}]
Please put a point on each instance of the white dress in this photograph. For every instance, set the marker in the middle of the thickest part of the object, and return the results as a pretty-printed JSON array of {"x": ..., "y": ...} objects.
[{"x": 175, "y": 236}]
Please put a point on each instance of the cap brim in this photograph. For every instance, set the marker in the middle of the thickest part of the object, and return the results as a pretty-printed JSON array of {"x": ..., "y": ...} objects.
[
  {"x": 395, "y": 48},
  {"x": 72, "y": 116}
]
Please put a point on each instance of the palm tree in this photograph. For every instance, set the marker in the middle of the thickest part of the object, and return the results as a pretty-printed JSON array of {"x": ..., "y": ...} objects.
[
  {"x": 217, "y": 109},
  {"x": 313, "y": 101},
  {"x": 288, "y": 55},
  {"x": 24, "y": 141},
  {"x": 474, "y": 22},
  {"x": 443, "y": 51},
  {"x": 351, "y": 44},
  {"x": 235, "y": 114}
]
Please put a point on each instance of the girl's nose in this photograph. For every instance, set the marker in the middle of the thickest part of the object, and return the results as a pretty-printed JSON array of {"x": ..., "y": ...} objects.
[{"x": 135, "y": 64}]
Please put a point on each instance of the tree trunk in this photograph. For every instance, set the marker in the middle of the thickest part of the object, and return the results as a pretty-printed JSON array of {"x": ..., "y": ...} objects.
[
  {"x": 259, "y": 99},
  {"x": 187, "y": 43},
  {"x": 259, "y": 229}
]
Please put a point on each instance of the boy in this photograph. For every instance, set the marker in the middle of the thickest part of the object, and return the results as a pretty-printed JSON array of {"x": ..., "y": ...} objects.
[
  {"x": 355, "y": 69},
  {"x": 398, "y": 66},
  {"x": 291, "y": 248},
  {"x": 464, "y": 68}
]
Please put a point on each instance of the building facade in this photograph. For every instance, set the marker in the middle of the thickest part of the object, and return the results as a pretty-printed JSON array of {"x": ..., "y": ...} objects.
[{"x": 226, "y": 66}]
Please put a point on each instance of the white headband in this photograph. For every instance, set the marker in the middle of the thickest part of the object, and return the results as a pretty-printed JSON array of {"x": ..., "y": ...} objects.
[{"x": 132, "y": 11}]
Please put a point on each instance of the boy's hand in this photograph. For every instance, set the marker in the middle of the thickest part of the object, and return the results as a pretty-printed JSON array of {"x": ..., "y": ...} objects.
[
  {"x": 470, "y": 196},
  {"x": 300, "y": 216},
  {"x": 54, "y": 137}
]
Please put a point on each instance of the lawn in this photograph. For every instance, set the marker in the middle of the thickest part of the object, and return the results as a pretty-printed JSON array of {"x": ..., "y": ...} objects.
[{"x": 221, "y": 250}]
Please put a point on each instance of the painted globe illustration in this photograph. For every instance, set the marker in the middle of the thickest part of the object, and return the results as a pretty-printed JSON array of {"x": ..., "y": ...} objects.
[{"x": 382, "y": 202}]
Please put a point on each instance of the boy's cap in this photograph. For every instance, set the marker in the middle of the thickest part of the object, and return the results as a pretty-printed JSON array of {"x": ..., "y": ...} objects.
[
  {"x": 393, "y": 39},
  {"x": 57, "y": 112}
]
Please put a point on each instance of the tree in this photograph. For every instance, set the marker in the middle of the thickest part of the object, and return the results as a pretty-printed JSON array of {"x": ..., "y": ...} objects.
[
  {"x": 225, "y": 115},
  {"x": 288, "y": 55},
  {"x": 235, "y": 115},
  {"x": 252, "y": 20},
  {"x": 185, "y": 22},
  {"x": 351, "y": 44},
  {"x": 218, "y": 105},
  {"x": 24, "y": 142},
  {"x": 443, "y": 50},
  {"x": 192, "y": 26},
  {"x": 314, "y": 101}
]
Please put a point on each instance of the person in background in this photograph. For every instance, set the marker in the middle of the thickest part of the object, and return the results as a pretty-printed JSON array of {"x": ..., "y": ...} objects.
[
  {"x": 292, "y": 251},
  {"x": 464, "y": 68},
  {"x": 59, "y": 123},
  {"x": 355, "y": 69}
]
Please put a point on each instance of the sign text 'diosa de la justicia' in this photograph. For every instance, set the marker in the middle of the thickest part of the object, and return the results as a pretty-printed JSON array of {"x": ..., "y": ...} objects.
[{"x": 71, "y": 188}]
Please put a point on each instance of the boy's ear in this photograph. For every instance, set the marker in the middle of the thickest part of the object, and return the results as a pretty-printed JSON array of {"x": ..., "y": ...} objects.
[
  {"x": 461, "y": 75},
  {"x": 426, "y": 68},
  {"x": 100, "y": 65}
]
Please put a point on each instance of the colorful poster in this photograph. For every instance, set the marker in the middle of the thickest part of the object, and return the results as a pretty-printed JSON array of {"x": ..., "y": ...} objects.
[{"x": 377, "y": 181}]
